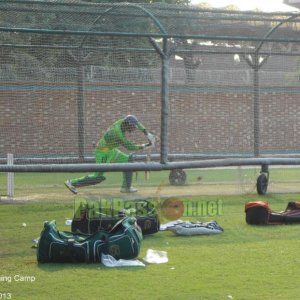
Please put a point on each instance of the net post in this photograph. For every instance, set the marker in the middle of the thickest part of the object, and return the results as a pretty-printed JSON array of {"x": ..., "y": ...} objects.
[{"x": 10, "y": 177}]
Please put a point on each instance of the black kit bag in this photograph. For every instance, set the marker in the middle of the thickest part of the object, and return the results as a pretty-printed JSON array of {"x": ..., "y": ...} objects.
[
  {"x": 90, "y": 216},
  {"x": 259, "y": 213}
]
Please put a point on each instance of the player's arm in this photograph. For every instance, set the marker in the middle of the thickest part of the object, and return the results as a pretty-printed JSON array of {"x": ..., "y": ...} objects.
[
  {"x": 125, "y": 142},
  {"x": 130, "y": 145},
  {"x": 151, "y": 137}
]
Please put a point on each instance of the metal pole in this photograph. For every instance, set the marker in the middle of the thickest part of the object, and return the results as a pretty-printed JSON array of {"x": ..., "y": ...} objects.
[
  {"x": 10, "y": 178},
  {"x": 164, "y": 146},
  {"x": 256, "y": 109},
  {"x": 80, "y": 106},
  {"x": 151, "y": 166}
]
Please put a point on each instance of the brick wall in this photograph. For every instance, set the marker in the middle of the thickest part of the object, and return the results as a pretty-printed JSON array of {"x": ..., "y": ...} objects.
[{"x": 42, "y": 120}]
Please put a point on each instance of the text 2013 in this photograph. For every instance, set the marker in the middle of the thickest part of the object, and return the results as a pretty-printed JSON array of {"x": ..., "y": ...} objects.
[{"x": 5, "y": 296}]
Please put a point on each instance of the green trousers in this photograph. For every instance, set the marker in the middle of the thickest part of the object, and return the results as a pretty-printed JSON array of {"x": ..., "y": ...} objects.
[{"x": 113, "y": 156}]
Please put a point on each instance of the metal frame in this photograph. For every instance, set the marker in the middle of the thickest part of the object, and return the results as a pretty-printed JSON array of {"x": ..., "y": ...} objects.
[
  {"x": 165, "y": 53},
  {"x": 150, "y": 166}
]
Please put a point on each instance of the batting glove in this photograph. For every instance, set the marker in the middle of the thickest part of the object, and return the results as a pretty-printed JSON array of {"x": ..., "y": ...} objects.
[
  {"x": 144, "y": 146},
  {"x": 152, "y": 138}
]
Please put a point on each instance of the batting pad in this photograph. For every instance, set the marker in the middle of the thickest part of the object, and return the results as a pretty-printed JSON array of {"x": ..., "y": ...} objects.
[{"x": 188, "y": 228}]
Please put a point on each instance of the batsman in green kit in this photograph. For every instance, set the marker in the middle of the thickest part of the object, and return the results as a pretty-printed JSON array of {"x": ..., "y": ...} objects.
[{"x": 107, "y": 152}]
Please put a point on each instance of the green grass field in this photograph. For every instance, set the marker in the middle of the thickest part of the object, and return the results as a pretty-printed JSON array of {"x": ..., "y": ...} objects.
[{"x": 244, "y": 262}]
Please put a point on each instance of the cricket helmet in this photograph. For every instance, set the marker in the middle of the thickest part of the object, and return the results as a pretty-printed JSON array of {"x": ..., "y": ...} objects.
[{"x": 131, "y": 120}]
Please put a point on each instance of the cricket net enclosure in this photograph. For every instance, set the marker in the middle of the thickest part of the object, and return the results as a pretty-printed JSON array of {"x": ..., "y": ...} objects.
[{"x": 217, "y": 87}]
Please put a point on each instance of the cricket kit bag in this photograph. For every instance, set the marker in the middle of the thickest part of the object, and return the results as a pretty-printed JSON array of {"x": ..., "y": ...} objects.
[
  {"x": 259, "y": 213},
  {"x": 91, "y": 216},
  {"x": 123, "y": 241}
]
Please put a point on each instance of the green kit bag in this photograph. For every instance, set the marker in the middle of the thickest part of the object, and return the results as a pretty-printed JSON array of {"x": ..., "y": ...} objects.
[
  {"x": 91, "y": 216},
  {"x": 123, "y": 241}
]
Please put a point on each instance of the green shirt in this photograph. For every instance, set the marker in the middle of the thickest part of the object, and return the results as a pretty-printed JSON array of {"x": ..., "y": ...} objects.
[{"x": 115, "y": 137}]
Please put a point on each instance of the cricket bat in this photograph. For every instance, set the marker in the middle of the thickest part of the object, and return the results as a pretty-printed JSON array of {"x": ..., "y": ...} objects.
[{"x": 148, "y": 159}]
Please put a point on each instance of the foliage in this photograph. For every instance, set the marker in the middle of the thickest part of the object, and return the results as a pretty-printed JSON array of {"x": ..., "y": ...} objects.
[
  {"x": 179, "y": 2},
  {"x": 64, "y": 50}
]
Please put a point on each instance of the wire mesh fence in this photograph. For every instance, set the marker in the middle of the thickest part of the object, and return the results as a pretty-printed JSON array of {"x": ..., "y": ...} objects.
[{"x": 208, "y": 83}]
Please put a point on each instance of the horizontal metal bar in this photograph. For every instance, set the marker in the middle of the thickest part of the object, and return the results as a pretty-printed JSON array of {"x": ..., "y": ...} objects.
[
  {"x": 191, "y": 14},
  {"x": 230, "y": 51},
  {"x": 154, "y": 35},
  {"x": 136, "y": 158},
  {"x": 180, "y": 8},
  {"x": 151, "y": 166},
  {"x": 142, "y": 158}
]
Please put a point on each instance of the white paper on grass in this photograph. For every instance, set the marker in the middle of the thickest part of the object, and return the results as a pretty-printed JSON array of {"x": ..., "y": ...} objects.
[
  {"x": 156, "y": 257},
  {"x": 109, "y": 261},
  {"x": 68, "y": 222},
  {"x": 36, "y": 242}
]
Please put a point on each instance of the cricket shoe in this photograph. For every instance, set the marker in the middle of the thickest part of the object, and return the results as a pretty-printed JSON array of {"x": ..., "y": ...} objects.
[
  {"x": 128, "y": 190},
  {"x": 70, "y": 186}
]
